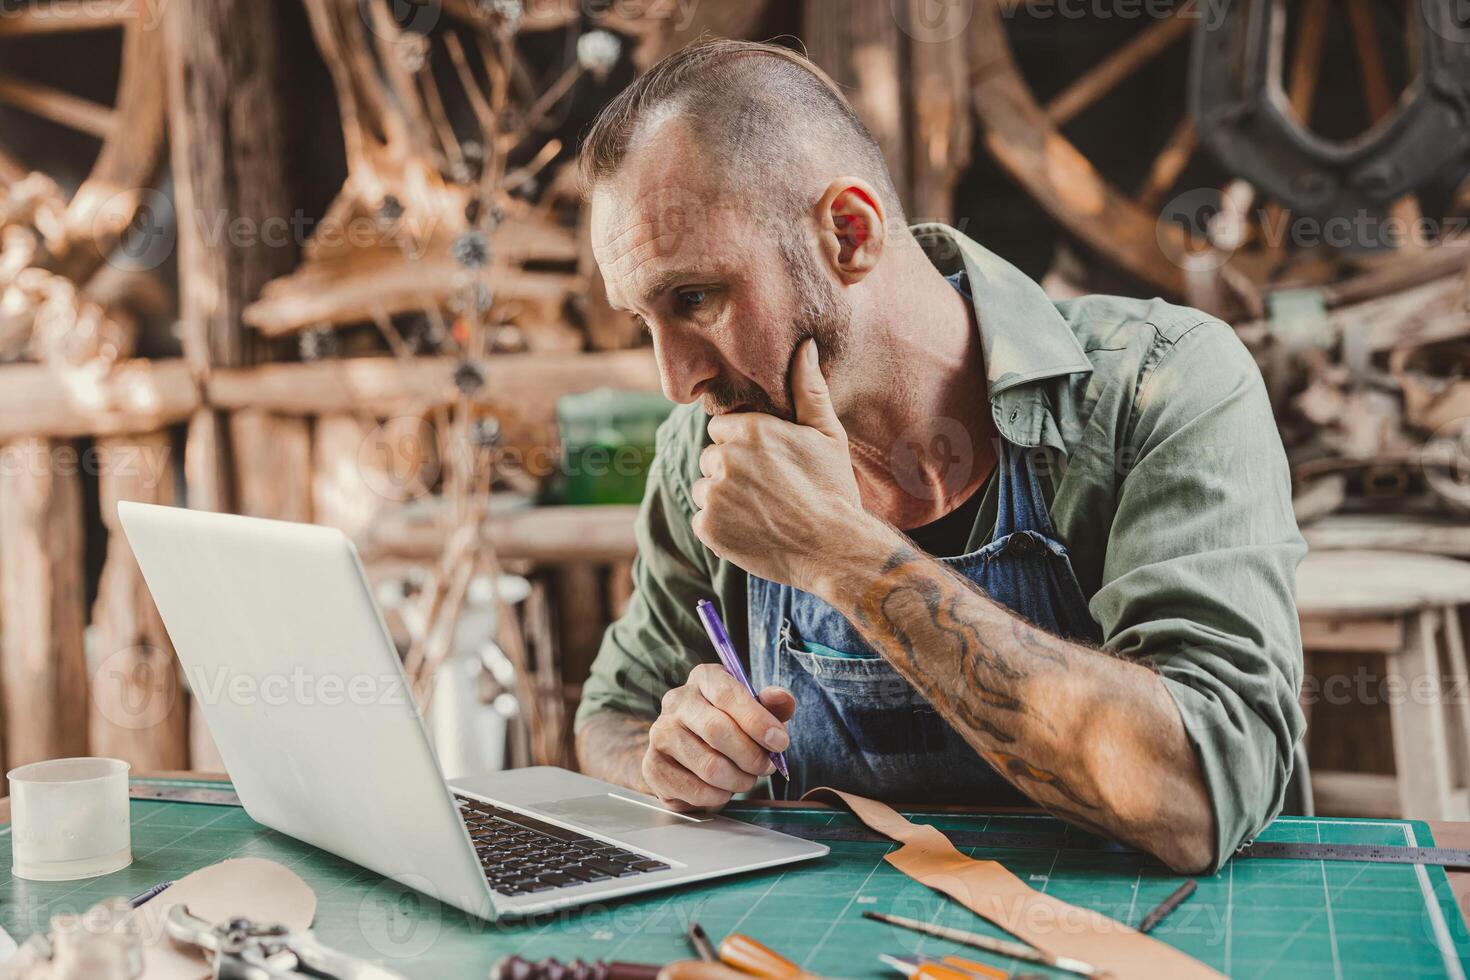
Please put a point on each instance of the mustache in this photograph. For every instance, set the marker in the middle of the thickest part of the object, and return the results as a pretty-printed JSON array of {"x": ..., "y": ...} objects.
[{"x": 724, "y": 395}]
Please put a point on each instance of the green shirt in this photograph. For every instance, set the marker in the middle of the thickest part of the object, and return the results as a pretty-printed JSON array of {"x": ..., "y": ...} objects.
[{"x": 1166, "y": 480}]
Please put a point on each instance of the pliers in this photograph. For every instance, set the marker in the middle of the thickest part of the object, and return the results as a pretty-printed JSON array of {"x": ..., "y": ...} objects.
[{"x": 242, "y": 949}]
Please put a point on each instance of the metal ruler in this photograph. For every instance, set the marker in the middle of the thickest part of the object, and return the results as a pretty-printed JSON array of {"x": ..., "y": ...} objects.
[
  {"x": 1453, "y": 858},
  {"x": 183, "y": 794}
]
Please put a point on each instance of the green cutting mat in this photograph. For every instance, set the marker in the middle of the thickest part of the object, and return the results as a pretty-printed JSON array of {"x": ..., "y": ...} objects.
[{"x": 1256, "y": 918}]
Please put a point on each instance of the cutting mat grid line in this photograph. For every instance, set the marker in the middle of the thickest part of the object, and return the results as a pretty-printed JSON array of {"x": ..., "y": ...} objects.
[{"x": 1257, "y": 918}]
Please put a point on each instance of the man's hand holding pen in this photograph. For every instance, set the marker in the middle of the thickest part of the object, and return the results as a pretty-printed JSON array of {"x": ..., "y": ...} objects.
[{"x": 713, "y": 740}]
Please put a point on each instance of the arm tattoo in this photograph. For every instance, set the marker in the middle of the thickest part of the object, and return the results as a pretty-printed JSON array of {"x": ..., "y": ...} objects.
[
  {"x": 1019, "y": 771},
  {"x": 923, "y": 618},
  {"x": 1095, "y": 740}
]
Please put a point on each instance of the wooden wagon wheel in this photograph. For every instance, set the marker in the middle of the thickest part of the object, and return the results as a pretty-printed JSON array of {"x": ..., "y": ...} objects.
[
  {"x": 1126, "y": 226},
  {"x": 130, "y": 131}
]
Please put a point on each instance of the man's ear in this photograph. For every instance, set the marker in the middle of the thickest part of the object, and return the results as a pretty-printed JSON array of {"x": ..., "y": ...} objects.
[{"x": 851, "y": 225}]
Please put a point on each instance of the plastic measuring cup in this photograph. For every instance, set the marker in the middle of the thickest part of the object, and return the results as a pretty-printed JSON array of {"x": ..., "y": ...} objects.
[{"x": 69, "y": 819}]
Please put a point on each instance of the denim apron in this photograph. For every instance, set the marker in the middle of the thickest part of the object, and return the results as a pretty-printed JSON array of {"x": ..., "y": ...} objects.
[{"x": 859, "y": 726}]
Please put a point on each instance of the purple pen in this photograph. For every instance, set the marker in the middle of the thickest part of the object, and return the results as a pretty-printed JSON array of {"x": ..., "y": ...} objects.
[{"x": 715, "y": 627}]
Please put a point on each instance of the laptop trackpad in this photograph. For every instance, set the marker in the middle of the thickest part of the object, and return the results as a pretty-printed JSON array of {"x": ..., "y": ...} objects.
[{"x": 612, "y": 814}]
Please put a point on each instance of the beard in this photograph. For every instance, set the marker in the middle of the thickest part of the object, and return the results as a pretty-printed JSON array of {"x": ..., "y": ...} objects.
[{"x": 822, "y": 313}]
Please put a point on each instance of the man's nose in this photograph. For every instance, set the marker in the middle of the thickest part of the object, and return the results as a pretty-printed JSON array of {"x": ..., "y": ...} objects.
[{"x": 685, "y": 363}]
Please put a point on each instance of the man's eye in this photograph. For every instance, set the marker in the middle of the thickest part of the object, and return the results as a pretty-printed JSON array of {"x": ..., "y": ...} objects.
[
  {"x": 639, "y": 322},
  {"x": 691, "y": 298}
]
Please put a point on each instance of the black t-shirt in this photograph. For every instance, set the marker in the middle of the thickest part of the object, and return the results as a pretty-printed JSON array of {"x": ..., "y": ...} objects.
[{"x": 949, "y": 536}]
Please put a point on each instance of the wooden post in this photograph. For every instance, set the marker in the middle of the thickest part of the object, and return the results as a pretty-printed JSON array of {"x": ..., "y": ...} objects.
[
  {"x": 139, "y": 711},
  {"x": 905, "y": 67},
  {"x": 42, "y": 659},
  {"x": 272, "y": 465},
  {"x": 937, "y": 105},
  {"x": 619, "y": 587},
  {"x": 207, "y": 486},
  {"x": 226, "y": 133},
  {"x": 342, "y": 494},
  {"x": 581, "y": 611},
  {"x": 207, "y": 478},
  {"x": 860, "y": 44}
]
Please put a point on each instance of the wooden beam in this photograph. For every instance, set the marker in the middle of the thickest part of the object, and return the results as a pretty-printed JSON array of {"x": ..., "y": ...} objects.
[
  {"x": 356, "y": 287},
  {"x": 1103, "y": 77},
  {"x": 545, "y": 535},
  {"x": 42, "y": 587},
  {"x": 64, "y": 108},
  {"x": 1430, "y": 534},
  {"x": 385, "y": 386},
  {"x": 139, "y": 708},
  {"x": 227, "y": 137},
  {"x": 135, "y": 396},
  {"x": 1170, "y": 163}
]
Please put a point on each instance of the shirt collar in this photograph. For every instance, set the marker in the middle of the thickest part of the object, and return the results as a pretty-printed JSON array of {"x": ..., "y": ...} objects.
[{"x": 1023, "y": 337}]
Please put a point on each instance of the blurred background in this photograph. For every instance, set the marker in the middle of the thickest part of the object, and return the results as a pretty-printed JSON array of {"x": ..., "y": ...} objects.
[{"x": 325, "y": 260}]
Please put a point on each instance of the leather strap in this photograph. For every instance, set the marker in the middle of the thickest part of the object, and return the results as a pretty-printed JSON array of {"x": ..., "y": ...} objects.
[{"x": 990, "y": 891}]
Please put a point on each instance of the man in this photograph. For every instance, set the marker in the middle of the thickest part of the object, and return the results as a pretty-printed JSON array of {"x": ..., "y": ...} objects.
[{"x": 972, "y": 541}]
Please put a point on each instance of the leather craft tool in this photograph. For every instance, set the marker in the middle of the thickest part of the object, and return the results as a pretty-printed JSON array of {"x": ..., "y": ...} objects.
[
  {"x": 1001, "y": 947},
  {"x": 244, "y": 950},
  {"x": 748, "y": 956},
  {"x": 1176, "y": 898},
  {"x": 943, "y": 968},
  {"x": 702, "y": 946},
  {"x": 515, "y": 968}
]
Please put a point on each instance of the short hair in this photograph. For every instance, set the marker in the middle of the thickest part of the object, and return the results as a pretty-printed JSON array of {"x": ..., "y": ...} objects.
[{"x": 763, "y": 112}]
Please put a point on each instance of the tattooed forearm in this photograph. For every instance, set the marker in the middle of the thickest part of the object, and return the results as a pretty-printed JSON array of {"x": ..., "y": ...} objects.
[
  {"x": 1020, "y": 772},
  {"x": 611, "y": 746},
  {"x": 1094, "y": 739}
]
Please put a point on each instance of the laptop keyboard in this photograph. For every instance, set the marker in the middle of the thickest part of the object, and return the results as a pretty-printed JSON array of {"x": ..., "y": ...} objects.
[{"x": 521, "y": 854}]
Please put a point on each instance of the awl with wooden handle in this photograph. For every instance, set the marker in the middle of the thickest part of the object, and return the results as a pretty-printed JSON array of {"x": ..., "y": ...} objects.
[{"x": 748, "y": 956}]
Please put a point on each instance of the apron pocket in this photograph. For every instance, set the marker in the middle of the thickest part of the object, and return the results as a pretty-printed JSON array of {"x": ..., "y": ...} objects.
[
  {"x": 881, "y": 712},
  {"x": 859, "y": 677}
]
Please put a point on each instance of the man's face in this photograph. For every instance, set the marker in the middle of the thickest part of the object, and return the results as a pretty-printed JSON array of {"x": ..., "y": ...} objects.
[{"x": 727, "y": 298}]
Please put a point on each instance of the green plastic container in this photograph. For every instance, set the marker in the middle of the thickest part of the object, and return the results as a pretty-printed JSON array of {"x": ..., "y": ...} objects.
[{"x": 607, "y": 440}]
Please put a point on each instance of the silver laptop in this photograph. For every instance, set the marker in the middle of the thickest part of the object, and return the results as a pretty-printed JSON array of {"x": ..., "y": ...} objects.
[{"x": 304, "y": 693}]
